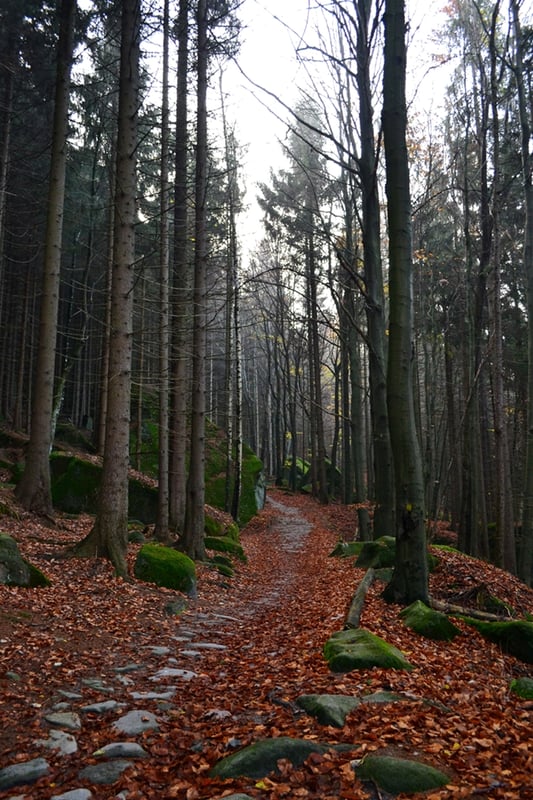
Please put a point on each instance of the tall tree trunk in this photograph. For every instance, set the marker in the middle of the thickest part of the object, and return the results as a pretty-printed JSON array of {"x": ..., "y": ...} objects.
[
  {"x": 178, "y": 438},
  {"x": 109, "y": 536},
  {"x": 383, "y": 469},
  {"x": 410, "y": 578},
  {"x": 505, "y": 545},
  {"x": 525, "y": 108},
  {"x": 162, "y": 523},
  {"x": 34, "y": 490},
  {"x": 192, "y": 540}
]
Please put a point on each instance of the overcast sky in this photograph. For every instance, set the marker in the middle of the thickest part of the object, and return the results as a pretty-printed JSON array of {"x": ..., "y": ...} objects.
[{"x": 272, "y": 29}]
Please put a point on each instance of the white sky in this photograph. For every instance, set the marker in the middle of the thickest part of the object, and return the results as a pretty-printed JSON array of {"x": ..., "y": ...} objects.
[{"x": 271, "y": 31}]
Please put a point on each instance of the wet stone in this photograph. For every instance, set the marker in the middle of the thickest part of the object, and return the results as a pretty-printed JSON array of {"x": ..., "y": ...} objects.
[
  {"x": 102, "y": 708},
  {"x": 64, "y": 719},
  {"x": 135, "y": 722},
  {"x": 106, "y": 772},
  {"x": 24, "y": 773}
]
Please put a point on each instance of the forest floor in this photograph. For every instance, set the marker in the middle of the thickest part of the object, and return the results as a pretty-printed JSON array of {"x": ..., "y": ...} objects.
[{"x": 260, "y": 637}]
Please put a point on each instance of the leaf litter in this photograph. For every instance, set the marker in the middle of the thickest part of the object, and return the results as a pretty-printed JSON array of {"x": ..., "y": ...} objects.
[{"x": 273, "y": 617}]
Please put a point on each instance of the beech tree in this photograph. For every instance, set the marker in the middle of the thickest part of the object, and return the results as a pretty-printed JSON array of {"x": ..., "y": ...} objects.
[{"x": 410, "y": 577}]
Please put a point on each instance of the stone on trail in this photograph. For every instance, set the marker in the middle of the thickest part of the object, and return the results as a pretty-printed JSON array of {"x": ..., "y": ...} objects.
[
  {"x": 135, "y": 722},
  {"x": 359, "y": 649},
  {"x": 65, "y": 743},
  {"x": 23, "y": 773},
  {"x": 64, "y": 719},
  {"x": 101, "y": 708},
  {"x": 105, "y": 772},
  {"x": 74, "y": 794},
  {"x": 121, "y": 750},
  {"x": 328, "y": 709},
  {"x": 259, "y": 759},
  {"x": 397, "y": 775}
]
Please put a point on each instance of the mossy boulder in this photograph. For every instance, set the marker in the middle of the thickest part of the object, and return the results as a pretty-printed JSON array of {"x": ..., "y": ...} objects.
[
  {"x": 359, "y": 649},
  {"x": 381, "y": 554},
  {"x": 259, "y": 759},
  {"x": 224, "y": 544},
  {"x": 377, "y": 553},
  {"x": 514, "y": 636},
  {"x": 328, "y": 709},
  {"x": 523, "y": 687},
  {"x": 428, "y": 622},
  {"x": 222, "y": 564},
  {"x": 75, "y": 485},
  {"x": 347, "y": 549},
  {"x": 167, "y": 567},
  {"x": 397, "y": 775},
  {"x": 253, "y": 485},
  {"x": 14, "y": 569}
]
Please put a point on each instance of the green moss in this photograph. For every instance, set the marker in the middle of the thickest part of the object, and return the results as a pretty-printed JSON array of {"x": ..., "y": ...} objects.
[
  {"x": 259, "y": 759},
  {"x": 165, "y": 566},
  {"x": 377, "y": 553},
  {"x": 16, "y": 570},
  {"x": 428, "y": 622},
  {"x": 223, "y": 544},
  {"x": 514, "y": 637},
  {"x": 397, "y": 775},
  {"x": 75, "y": 485},
  {"x": 37, "y": 578},
  {"x": 347, "y": 549},
  {"x": 523, "y": 687},
  {"x": 359, "y": 649}
]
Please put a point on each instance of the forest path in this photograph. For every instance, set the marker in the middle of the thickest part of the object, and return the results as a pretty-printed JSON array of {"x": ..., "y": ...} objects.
[
  {"x": 104, "y": 655},
  {"x": 219, "y": 676}
]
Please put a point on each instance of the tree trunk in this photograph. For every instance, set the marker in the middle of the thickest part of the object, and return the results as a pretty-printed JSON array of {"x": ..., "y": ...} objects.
[
  {"x": 192, "y": 540},
  {"x": 162, "y": 523},
  {"x": 178, "y": 439},
  {"x": 34, "y": 490},
  {"x": 383, "y": 470},
  {"x": 410, "y": 578},
  {"x": 109, "y": 536},
  {"x": 525, "y": 108}
]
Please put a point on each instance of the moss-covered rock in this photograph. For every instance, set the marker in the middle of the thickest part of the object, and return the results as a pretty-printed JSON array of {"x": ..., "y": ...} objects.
[
  {"x": 15, "y": 570},
  {"x": 223, "y": 544},
  {"x": 397, "y": 775},
  {"x": 223, "y": 564},
  {"x": 75, "y": 485},
  {"x": 167, "y": 567},
  {"x": 347, "y": 549},
  {"x": 377, "y": 553},
  {"x": 253, "y": 485},
  {"x": 259, "y": 759},
  {"x": 514, "y": 636},
  {"x": 381, "y": 554},
  {"x": 428, "y": 622},
  {"x": 359, "y": 649},
  {"x": 523, "y": 687},
  {"x": 328, "y": 709}
]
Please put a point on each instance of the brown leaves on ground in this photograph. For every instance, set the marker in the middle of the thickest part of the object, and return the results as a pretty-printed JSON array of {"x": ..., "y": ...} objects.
[{"x": 459, "y": 714}]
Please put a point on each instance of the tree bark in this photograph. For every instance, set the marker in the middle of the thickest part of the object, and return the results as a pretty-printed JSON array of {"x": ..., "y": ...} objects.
[
  {"x": 410, "y": 578},
  {"x": 180, "y": 359},
  {"x": 109, "y": 536},
  {"x": 192, "y": 540},
  {"x": 34, "y": 491}
]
